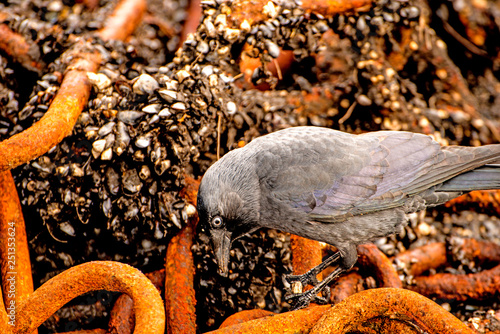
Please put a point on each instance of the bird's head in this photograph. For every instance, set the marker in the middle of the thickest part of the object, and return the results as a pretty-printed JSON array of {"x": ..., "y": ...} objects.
[{"x": 228, "y": 206}]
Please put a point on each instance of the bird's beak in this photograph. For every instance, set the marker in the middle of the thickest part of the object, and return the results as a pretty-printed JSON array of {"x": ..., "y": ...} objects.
[{"x": 221, "y": 240}]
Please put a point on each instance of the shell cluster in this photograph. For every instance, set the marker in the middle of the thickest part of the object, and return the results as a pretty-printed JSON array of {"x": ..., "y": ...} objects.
[
  {"x": 123, "y": 167},
  {"x": 259, "y": 263}
]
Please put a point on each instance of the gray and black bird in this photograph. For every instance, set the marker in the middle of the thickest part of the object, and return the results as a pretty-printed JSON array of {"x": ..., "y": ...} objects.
[{"x": 335, "y": 187}]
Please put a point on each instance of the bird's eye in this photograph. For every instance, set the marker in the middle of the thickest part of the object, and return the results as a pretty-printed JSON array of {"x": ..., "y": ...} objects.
[{"x": 217, "y": 221}]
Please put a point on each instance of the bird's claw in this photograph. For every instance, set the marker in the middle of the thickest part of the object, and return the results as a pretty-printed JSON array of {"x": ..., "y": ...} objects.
[
  {"x": 301, "y": 300},
  {"x": 305, "y": 279},
  {"x": 326, "y": 294}
]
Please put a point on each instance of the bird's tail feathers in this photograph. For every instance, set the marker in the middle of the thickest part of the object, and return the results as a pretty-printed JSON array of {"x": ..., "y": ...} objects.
[{"x": 486, "y": 177}]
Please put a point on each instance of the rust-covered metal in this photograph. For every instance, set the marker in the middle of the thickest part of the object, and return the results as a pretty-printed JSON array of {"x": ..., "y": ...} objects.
[
  {"x": 485, "y": 200},
  {"x": 306, "y": 254},
  {"x": 4, "y": 320},
  {"x": 94, "y": 276},
  {"x": 278, "y": 67},
  {"x": 477, "y": 251},
  {"x": 89, "y": 331},
  {"x": 356, "y": 314},
  {"x": 297, "y": 322},
  {"x": 345, "y": 286},
  {"x": 375, "y": 262},
  {"x": 124, "y": 19},
  {"x": 180, "y": 300},
  {"x": 23, "y": 52},
  {"x": 481, "y": 285},
  {"x": 478, "y": 286},
  {"x": 15, "y": 264},
  {"x": 253, "y": 10},
  {"x": 192, "y": 20},
  {"x": 418, "y": 260},
  {"x": 244, "y": 316},
  {"x": 73, "y": 94},
  {"x": 190, "y": 190},
  {"x": 122, "y": 317},
  {"x": 58, "y": 121},
  {"x": 332, "y": 7}
]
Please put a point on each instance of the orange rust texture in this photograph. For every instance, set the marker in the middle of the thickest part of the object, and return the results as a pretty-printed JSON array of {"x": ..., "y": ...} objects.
[
  {"x": 306, "y": 254},
  {"x": 89, "y": 331},
  {"x": 333, "y": 66},
  {"x": 250, "y": 10},
  {"x": 17, "y": 282},
  {"x": 157, "y": 278},
  {"x": 388, "y": 326},
  {"x": 371, "y": 258},
  {"x": 123, "y": 21},
  {"x": 487, "y": 200},
  {"x": 297, "y": 322},
  {"x": 317, "y": 102},
  {"x": 90, "y": 4},
  {"x": 192, "y": 20},
  {"x": 57, "y": 122},
  {"x": 355, "y": 314},
  {"x": 122, "y": 317},
  {"x": 346, "y": 285},
  {"x": 478, "y": 286},
  {"x": 419, "y": 260},
  {"x": 333, "y": 7},
  {"x": 21, "y": 51},
  {"x": 4, "y": 326},
  {"x": 244, "y": 316},
  {"x": 72, "y": 97},
  {"x": 190, "y": 190},
  {"x": 92, "y": 276},
  {"x": 374, "y": 261},
  {"x": 478, "y": 251},
  {"x": 475, "y": 33},
  {"x": 180, "y": 298},
  {"x": 278, "y": 68},
  {"x": 399, "y": 58}
]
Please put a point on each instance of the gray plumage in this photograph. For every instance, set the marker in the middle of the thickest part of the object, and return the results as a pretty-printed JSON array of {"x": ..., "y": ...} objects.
[{"x": 335, "y": 187}]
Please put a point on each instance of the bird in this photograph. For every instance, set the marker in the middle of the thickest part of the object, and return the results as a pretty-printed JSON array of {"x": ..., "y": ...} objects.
[{"x": 335, "y": 187}]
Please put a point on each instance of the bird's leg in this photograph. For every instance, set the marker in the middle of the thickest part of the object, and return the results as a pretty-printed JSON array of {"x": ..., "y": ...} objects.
[
  {"x": 301, "y": 300},
  {"x": 310, "y": 276}
]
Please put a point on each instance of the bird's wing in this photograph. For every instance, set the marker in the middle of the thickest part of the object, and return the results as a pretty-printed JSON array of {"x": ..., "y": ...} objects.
[{"x": 332, "y": 175}]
